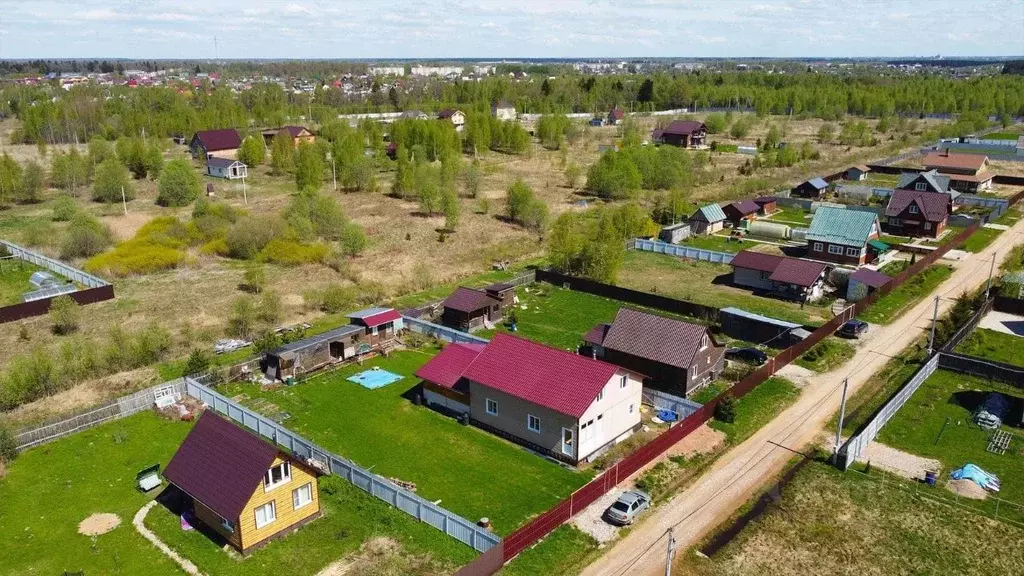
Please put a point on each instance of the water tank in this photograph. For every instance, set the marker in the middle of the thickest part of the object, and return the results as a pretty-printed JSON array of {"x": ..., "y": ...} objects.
[{"x": 769, "y": 229}]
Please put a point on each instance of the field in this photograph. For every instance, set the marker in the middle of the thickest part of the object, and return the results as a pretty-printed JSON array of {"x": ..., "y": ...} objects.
[
  {"x": 993, "y": 345},
  {"x": 14, "y": 275},
  {"x": 757, "y": 408},
  {"x": 981, "y": 239},
  {"x": 936, "y": 423},
  {"x": 472, "y": 473},
  {"x": 889, "y": 307},
  {"x": 707, "y": 284},
  {"x": 793, "y": 216},
  {"x": 830, "y": 522},
  {"x": 826, "y": 355},
  {"x": 94, "y": 471}
]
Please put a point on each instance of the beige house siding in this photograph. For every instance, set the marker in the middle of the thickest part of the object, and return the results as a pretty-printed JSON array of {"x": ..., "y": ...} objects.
[
  {"x": 616, "y": 413},
  {"x": 512, "y": 415},
  {"x": 287, "y": 515}
]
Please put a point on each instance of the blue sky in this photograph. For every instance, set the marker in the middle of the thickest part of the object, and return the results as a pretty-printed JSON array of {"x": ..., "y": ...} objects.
[{"x": 508, "y": 28}]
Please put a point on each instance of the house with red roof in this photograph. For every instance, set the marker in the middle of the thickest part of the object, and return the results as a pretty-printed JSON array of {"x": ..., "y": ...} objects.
[
  {"x": 966, "y": 172},
  {"x": 240, "y": 486},
  {"x": 682, "y": 133},
  {"x": 555, "y": 402},
  {"x": 673, "y": 355},
  {"x": 615, "y": 116},
  {"x": 456, "y": 117},
  {"x": 295, "y": 134},
  {"x": 741, "y": 212},
  {"x": 917, "y": 213},
  {"x": 469, "y": 309},
  {"x": 223, "y": 143},
  {"x": 781, "y": 276}
]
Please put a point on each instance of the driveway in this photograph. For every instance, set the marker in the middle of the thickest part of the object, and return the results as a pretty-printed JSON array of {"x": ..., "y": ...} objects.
[{"x": 743, "y": 471}]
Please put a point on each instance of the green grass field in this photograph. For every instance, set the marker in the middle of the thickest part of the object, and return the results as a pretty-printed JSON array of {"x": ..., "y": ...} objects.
[
  {"x": 993, "y": 345},
  {"x": 48, "y": 490},
  {"x": 14, "y": 282},
  {"x": 831, "y": 522},
  {"x": 792, "y": 216},
  {"x": 980, "y": 239},
  {"x": 758, "y": 408},
  {"x": 1004, "y": 135},
  {"x": 889, "y": 307},
  {"x": 565, "y": 551},
  {"x": 473, "y": 473},
  {"x": 879, "y": 388},
  {"x": 696, "y": 282},
  {"x": 947, "y": 400},
  {"x": 826, "y": 355}
]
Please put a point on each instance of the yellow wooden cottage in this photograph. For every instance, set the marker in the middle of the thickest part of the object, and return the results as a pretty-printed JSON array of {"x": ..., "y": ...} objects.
[{"x": 241, "y": 486}]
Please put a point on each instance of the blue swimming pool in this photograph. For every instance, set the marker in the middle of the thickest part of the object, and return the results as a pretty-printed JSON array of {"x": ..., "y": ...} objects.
[{"x": 374, "y": 378}]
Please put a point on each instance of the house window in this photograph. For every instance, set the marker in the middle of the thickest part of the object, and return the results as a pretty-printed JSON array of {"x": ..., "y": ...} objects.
[
  {"x": 228, "y": 525},
  {"x": 852, "y": 252},
  {"x": 817, "y": 246},
  {"x": 765, "y": 275},
  {"x": 693, "y": 374},
  {"x": 600, "y": 395},
  {"x": 373, "y": 331},
  {"x": 532, "y": 423},
  {"x": 913, "y": 209},
  {"x": 623, "y": 381},
  {"x": 927, "y": 225},
  {"x": 895, "y": 222},
  {"x": 277, "y": 475},
  {"x": 266, "y": 514},
  {"x": 704, "y": 342},
  {"x": 833, "y": 249},
  {"x": 567, "y": 440},
  {"x": 302, "y": 496},
  {"x": 921, "y": 186},
  {"x": 632, "y": 407},
  {"x": 491, "y": 406}
]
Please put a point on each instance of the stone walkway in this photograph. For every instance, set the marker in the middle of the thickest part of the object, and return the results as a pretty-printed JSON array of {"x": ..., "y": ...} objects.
[{"x": 138, "y": 522}]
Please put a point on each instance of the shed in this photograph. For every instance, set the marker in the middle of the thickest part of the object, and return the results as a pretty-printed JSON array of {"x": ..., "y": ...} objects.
[
  {"x": 741, "y": 212},
  {"x": 226, "y": 168},
  {"x": 380, "y": 325},
  {"x": 863, "y": 282},
  {"x": 675, "y": 233},
  {"x": 858, "y": 172},
  {"x": 708, "y": 219},
  {"x": 469, "y": 309},
  {"x": 767, "y": 204},
  {"x": 750, "y": 327},
  {"x": 302, "y": 356},
  {"x": 812, "y": 188}
]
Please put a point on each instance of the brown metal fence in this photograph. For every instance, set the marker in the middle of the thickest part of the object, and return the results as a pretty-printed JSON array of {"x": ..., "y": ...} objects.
[
  {"x": 40, "y": 307},
  {"x": 542, "y": 525}
]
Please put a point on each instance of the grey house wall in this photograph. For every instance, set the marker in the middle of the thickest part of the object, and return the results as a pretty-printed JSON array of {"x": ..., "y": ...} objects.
[
  {"x": 751, "y": 278},
  {"x": 511, "y": 419}
]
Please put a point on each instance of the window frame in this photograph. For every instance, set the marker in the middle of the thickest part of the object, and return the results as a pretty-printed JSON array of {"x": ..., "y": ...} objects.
[
  {"x": 271, "y": 519},
  {"x": 913, "y": 209},
  {"x": 530, "y": 418},
  {"x": 227, "y": 525},
  {"x": 818, "y": 247},
  {"x": 835, "y": 249},
  {"x": 851, "y": 251},
  {"x": 921, "y": 186},
  {"x": 623, "y": 381},
  {"x": 286, "y": 476},
  {"x": 308, "y": 486},
  {"x": 488, "y": 404}
]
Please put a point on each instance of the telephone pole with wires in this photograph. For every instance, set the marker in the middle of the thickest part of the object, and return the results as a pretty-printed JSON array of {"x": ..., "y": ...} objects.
[{"x": 670, "y": 553}]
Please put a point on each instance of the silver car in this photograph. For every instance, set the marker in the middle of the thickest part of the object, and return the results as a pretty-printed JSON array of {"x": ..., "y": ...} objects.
[{"x": 627, "y": 507}]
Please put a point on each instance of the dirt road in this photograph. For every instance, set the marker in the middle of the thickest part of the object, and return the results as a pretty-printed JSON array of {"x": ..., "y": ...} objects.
[{"x": 744, "y": 470}]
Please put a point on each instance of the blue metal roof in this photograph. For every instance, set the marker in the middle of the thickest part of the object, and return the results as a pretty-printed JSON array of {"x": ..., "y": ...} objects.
[
  {"x": 712, "y": 213},
  {"x": 842, "y": 227},
  {"x": 818, "y": 183},
  {"x": 752, "y": 316}
]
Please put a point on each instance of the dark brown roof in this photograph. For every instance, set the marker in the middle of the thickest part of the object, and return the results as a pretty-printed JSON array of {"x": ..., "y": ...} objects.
[
  {"x": 468, "y": 300},
  {"x": 744, "y": 207},
  {"x": 756, "y": 261},
  {"x": 683, "y": 127},
  {"x": 295, "y": 131},
  {"x": 762, "y": 200},
  {"x": 597, "y": 334},
  {"x": 872, "y": 278},
  {"x": 934, "y": 206},
  {"x": 499, "y": 287},
  {"x": 799, "y": 272},
  {"x": 216, "y": 140},
  {"x": 651, "y": 337},
  {"x": 945, "y": 159},
  {"x": 220, "y": 464},
  {"x": 446, "y": 113}
]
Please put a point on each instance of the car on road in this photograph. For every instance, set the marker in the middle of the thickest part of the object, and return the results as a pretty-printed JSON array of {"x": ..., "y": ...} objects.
[
  {"x": 748, "y": 355},
  {"x": 853, "y": 329},
  {"x": 625, "y": 510}
]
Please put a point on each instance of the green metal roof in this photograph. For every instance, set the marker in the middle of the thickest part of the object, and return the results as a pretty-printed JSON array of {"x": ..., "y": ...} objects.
[
  {"x": 842, "y": 227},
  {"x": 711, "y": 213},
  {"x": 879, "y": 245}
]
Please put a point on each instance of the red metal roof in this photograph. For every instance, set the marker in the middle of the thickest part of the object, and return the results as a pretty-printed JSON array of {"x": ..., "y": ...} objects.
[
  {"x": 447, "y": 367},
  {"x": 946, "y": 159},
  {"x": 562, "y": 381},
  {"x": 756, "y": 261},
  {"x": 934, "y": 206},
  {"x": 220, "y": 464},
  {"x": 681, "y": 127},
  {"x": 872, "y": 278},
  {"x": 382, "y": 318},
  {"x": 216, "y": 140},
  {"x": 745, "y": 207},
  {"x": 799, "y": 272},
  {"x": 656, "y": 338},
  {"x": 468, "y": 300},
  {"x": 295, "y": 131}
]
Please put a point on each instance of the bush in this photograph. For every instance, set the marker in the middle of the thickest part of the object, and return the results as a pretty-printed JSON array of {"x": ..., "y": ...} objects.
[
  {"x": 255, "y": 278},
  {"x": 353, "y": 239},
  {"x": 179, "y": 184},
  {"x": 111, "y": 179},
  {"x": 252, "y": 151},
  {"x": 86, "y": 236},
  {"x": 242, "y": 321},
  {"x": 64, "y": 209},
  {"x": 292, "y": 253},
  {"x": 198, "y": 362},
  {"x": 64, "y": 314},
  {"x": 334, "y": 299},
  {"x": 8, "y": 446},
  {"x": 248, "y": 236},
  {"x": 725, "y": 410}
]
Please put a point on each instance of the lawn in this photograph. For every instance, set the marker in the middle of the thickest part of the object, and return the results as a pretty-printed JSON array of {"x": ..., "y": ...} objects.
[
  {"x": 757, "y": 408},
  {"x": 889, "y": 307},
  {"x": 717, "y": 243},
  {"x": 894, "y": 240},
  {"x": 993, "y": 345},
  {"x": 826, "y": 355},
  {"x": 50, "y": 489},
  {"x": 567, "y": 550},
  {"x": 947, "y": 400},
  {"x": 830, "y": 522},
  {"x": 473, "y": 473},
  {"x": 1005, "y": 135},
  {"x": 14, "y": 275},
  {"x": 880, "y": 388},
  {"x": 707, "y": 284},
  {"x": 980, "y": 239},
  {"x": 791, "y": 216}
]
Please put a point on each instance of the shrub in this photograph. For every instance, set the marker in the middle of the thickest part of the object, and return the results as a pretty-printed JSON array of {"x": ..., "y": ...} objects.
[
  {"x": 198, "y": 362},
  {"x": 8, "y": 446},
  {"x": 266, "y": 341},
  {"x": 269, "y": 308},
  {"x": 86, "y": 236},
  {"x": 111, "y": 181},
  {"x": 334, "y": 299},
  {"x": 292, "y": 253},
  {"x": 242, "y": 321},
  {"x": 252, "y": 151},
  {"x": 64, "y": 209},
  {"x": 32, "y": 183},
  {"x": 179, "y": 184},
  {"x": 255, "y": 278},
  {"x": 353, "y": 239},
  {"x": 249, "y": 235},
  {"x": 64, "y": 314},
  {"x": 313, "y": 214},
  {"x": 135, "y": 257},
  {"x": 39, "y": 233},
  {"x": 725, "y": 410}
]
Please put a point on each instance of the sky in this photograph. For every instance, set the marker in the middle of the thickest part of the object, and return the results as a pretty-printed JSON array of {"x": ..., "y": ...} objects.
[{"x": 508, "y": 28}]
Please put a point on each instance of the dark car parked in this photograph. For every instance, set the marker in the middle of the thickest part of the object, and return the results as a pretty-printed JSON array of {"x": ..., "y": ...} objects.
[
  {"x": 749, "y": 355},
  {"x": 853, "y": 329}
]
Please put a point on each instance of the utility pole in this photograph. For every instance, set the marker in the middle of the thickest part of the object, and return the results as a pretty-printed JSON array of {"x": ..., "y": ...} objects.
[
  {"x": 935, "y": 317},
  {"x": 842, "y": 416},
  {"x": 334, "y": 174},
  {"x": 991, "y": 269},
  {"x": 245, "y": 196},
  {"x": 671, "y": 551},
  {"x": 124, "y": 202}
]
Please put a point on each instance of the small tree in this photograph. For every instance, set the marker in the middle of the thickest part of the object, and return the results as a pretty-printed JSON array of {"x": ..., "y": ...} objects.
[
  {"x": 243, "y": 318},
  {"x": 353, "y": 239},
  {"x": 269, "y": 309},
  {"x": 309, "y": 170},
  {"x": 8, "y": 446},
  {"x": 179, "y": 184},
  {"x": 252, "y": 151},
  {"x": 725, "y": 410},
  {"x": 573, "y": 173},
  {"x": 64, "y": 314},
  {"x": 32, "y": 183},
  {"x": 826, "y": 133},
  {"x": 198, "y": 362},
  {"x": 471, "y": 180},
  {"x": 10, "y": 179},
  {"x": 450, "y": 207},
  {"x": 111, "y": 178},
  {"x": 255, "y": 278},
  {"x": 282, "y": 156}
]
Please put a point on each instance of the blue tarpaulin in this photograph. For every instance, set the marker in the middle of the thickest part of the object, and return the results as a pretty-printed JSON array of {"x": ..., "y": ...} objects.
[{"x": 979, "y": 476}]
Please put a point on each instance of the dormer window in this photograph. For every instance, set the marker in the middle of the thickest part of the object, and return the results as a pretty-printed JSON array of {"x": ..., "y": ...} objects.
[
  {"x": 277, "y": 475},
  {"x": 921, "y": 186},
  {"x": 913, "y": 209},
  {"x": 704, "y": 342}
]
